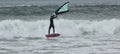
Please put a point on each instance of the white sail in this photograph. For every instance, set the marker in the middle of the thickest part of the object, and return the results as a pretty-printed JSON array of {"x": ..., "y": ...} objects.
[{"x": 62, "y": 9}]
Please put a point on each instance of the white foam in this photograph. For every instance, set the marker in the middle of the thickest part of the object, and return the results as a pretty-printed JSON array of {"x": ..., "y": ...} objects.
[{"x": 11, "y": 28}]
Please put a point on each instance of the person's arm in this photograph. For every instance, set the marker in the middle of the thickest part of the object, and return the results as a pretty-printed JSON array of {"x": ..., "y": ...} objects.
[{"x": 55, "y": 16}]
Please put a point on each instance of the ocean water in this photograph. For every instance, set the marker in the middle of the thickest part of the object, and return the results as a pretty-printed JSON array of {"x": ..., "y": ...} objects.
[{"x": 90, "y": 27}]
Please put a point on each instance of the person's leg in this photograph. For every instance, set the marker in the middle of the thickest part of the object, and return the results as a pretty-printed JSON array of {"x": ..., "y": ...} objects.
[
  {"x": 53, "y": 29},
  {"x": 49, "y": 29}
]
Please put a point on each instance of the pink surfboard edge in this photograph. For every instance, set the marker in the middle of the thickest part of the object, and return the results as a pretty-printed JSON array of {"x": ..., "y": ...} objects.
[{"x": 53, "y": 35}]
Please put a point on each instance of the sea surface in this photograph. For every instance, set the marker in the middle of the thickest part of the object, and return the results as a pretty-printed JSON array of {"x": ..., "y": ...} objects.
[{"x": 90, "y": 27}]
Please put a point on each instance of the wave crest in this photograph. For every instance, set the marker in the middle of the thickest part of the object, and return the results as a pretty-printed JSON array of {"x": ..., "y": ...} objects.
[{"x": 10, "y": 28}]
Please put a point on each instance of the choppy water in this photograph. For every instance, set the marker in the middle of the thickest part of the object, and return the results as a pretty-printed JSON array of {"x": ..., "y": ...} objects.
[
  {"x": 89, "y": 44},
  {"x": 91, "y": 27},
  {"x": 84, "y": 44},
  {"x": 77, "y": 36},
  {"x": 76, "y": 12}
]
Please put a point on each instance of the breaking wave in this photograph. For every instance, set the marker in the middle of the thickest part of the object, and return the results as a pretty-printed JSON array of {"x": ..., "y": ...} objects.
[{"x": 19, "y": 28}]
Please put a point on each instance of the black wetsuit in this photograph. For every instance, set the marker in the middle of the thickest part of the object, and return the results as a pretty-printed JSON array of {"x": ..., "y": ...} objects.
[{"x": 51, "y": 24}]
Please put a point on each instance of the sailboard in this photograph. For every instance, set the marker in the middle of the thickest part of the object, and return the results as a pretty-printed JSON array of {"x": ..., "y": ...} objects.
[
  {"x": 60, "y": 10},
  {"x": 53, "y": 35}
]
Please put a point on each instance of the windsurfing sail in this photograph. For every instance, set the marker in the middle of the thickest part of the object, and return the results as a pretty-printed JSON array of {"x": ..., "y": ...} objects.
[{"x": 62, "y": 9}]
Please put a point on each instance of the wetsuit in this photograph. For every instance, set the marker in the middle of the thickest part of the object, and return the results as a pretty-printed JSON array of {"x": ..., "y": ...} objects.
[{"x": 52, "y": 24}]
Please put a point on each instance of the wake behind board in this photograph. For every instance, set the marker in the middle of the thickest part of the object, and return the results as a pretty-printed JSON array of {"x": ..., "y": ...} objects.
[{"x": 52, "y": 35}]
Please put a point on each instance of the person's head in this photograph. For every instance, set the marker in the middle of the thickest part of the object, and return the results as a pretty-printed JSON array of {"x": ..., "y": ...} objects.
[{"x": 54, "y": 15}]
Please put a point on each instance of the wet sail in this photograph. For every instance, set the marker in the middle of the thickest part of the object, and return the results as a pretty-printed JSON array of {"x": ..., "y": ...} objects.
[{"x": 62, "y": 9}]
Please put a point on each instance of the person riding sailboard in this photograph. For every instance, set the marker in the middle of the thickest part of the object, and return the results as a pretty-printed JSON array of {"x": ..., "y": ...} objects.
[
  {"x": 60, "y": 10},
  {"x": 53, "y": 16}
]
